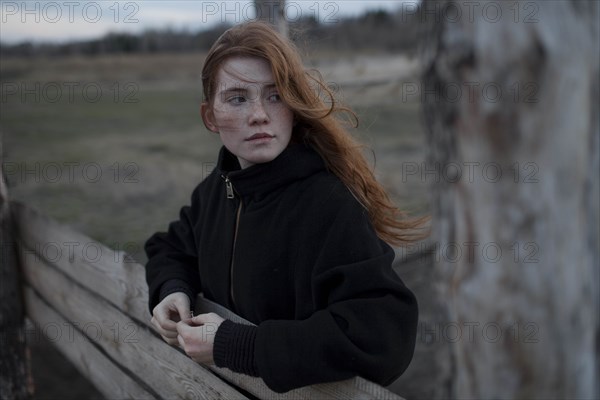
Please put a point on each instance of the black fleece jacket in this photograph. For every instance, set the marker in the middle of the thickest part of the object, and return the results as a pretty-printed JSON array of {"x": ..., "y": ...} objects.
[{"x": 291, "y": 250}]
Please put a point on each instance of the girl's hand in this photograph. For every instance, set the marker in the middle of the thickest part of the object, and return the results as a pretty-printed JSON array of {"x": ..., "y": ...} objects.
[
  {"x": 174, "y": 308},
  {"x": 196, "y": 336}
]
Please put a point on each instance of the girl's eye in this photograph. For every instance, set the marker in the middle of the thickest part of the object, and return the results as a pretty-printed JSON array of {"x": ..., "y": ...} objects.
[
  {"x": 236, "y": 99},
  {"x": 275, "y": 97}
]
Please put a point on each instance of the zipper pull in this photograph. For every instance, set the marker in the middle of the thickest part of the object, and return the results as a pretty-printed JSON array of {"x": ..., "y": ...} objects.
[{"x": 228, "y": 187}]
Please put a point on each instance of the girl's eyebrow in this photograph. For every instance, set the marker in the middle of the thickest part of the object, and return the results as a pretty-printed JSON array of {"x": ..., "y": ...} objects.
[
  {"x": 232, "y": 90},
  {"x": 244, "y": 88}
]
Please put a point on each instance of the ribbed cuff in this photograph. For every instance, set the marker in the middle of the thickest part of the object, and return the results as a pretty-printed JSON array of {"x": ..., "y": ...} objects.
[
  {"x": 234, "y": 347},
  {"x": 174, "y": 286}
]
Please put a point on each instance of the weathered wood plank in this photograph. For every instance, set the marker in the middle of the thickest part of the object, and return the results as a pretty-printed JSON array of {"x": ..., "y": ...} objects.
[
  {"x": 91, "y": 362},
  {"x": 110, "y": 274},
  {"x": 170, "y": 373}
]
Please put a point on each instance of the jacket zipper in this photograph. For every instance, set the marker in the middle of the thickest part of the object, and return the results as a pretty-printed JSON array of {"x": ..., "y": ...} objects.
[
  {"x": 237, "y": 224},
  {"x": 230, "y": 195},
  {"x": 228, "y": 187}
]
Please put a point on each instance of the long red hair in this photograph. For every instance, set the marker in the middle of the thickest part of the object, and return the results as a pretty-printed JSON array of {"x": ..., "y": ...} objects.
[{"x": 316, "y": 112}]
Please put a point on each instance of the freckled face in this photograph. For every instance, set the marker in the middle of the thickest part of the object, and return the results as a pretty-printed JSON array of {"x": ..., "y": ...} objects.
[{"x": 252, "y": 120}]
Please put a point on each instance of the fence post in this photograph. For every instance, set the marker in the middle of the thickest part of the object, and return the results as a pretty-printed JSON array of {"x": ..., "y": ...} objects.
[
  {"x": 15, "y": 378},
  {"x": 511, "y": 100},
  {"x": 272, "y": 11}
]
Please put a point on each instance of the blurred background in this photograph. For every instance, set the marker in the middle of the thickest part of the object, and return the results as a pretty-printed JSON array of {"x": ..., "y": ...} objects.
[
  {"x": 100, "y": 115},
  {"x": 105, "y": 133}
]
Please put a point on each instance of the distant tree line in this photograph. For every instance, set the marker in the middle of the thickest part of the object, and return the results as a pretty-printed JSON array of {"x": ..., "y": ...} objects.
[{"x": 374, "y": 31}]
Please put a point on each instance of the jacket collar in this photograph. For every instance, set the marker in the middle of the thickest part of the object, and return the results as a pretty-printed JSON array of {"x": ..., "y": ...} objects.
[{"x": 297, "y": 161}]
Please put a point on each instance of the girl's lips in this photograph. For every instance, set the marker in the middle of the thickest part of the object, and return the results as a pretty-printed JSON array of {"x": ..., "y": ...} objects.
[{"x": 258, "y": 136}]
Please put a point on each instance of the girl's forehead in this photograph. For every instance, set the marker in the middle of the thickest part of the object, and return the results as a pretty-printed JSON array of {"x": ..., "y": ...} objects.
[{"x": 244, "y": 70}]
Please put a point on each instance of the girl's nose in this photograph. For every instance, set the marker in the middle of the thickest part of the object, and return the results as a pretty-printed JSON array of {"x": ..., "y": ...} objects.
[{"x": 258, "y": 114}]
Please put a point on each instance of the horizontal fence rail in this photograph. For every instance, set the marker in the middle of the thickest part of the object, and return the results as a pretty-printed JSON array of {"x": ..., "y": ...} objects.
[{"x": 91, "y": 302}]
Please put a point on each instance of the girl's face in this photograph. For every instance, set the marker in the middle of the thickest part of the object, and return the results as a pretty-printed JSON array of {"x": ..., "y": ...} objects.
[{"x": 251, "y": 118}]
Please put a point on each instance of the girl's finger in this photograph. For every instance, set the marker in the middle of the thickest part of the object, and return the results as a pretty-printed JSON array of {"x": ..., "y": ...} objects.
[{"x": 181, "y": 342}]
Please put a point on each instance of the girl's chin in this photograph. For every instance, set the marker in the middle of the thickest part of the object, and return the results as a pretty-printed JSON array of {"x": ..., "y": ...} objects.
[{"x": 249, "y": 161}]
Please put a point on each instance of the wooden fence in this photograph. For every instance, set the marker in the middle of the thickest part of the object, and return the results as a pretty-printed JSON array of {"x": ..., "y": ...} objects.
[{"x": 91, "y": 302}]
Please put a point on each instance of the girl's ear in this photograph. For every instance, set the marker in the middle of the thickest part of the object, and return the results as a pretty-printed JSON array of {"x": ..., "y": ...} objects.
[{"x": 208, "y": 117}]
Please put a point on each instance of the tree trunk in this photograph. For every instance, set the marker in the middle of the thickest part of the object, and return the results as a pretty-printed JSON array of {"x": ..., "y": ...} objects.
[
  {"x": 272, "y": 11},
  {"x": 511, "y": 99},
  {"x": 15, "y": 379}
]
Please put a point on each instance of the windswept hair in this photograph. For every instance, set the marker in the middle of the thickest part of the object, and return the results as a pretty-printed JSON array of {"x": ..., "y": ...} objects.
[{"x": 315, "y": 112}]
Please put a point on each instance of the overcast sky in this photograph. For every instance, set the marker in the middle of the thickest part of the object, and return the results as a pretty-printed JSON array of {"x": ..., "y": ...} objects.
[{"x": 63, "y": 20}]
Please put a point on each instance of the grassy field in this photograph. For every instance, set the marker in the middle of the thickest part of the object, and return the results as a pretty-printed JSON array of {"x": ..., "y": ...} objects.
[{"x": 114, "y": 145}]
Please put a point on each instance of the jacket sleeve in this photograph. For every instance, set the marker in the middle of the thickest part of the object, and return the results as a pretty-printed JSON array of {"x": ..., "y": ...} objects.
[
  {"x": 365, "y": 323},
  {"x": 172, "y": 258}
]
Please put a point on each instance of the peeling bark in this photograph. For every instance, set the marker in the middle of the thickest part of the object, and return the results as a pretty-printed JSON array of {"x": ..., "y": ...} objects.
[{"x": 518, "y": 201}]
